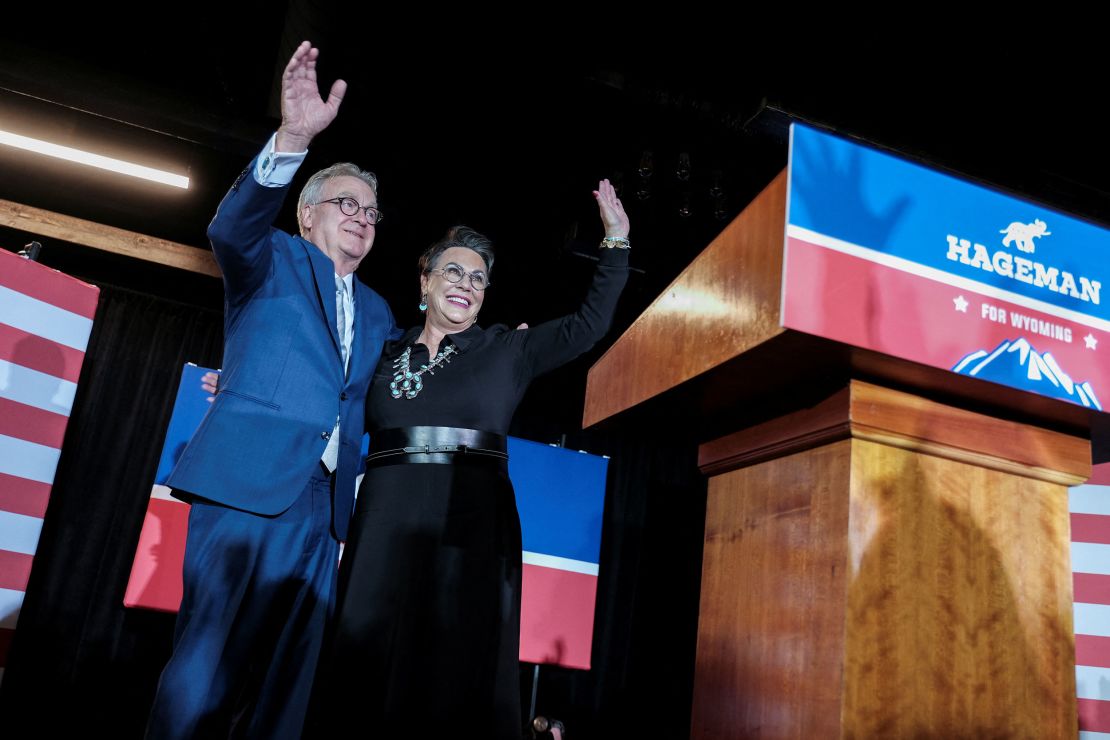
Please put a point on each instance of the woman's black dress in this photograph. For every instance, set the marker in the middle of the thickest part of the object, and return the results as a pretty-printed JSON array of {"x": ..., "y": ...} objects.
[{"x": 428, "y": 622}]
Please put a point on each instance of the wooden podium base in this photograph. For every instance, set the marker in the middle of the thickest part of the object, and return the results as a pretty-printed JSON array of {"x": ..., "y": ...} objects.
[{"x": 883, "y": 566}]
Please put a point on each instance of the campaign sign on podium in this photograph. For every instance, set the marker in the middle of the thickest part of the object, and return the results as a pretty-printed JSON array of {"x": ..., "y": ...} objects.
[{"x": 891, "y": 256}]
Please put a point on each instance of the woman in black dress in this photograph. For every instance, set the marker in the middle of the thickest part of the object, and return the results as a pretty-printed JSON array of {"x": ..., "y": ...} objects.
[{"x": 428, "y": 616}]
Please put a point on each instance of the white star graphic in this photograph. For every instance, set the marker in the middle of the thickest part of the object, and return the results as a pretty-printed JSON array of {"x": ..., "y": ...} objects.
[
  {"x": 961, "y": 303},
  {"x": 1092, "y": 343}
]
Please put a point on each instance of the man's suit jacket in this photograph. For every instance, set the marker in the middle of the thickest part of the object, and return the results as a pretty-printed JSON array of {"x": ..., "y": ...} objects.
[{"x": 282, "y": 385}]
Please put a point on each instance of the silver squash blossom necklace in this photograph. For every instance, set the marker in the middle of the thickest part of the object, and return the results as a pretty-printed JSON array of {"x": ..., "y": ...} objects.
[{"x": 406, "y": 383}]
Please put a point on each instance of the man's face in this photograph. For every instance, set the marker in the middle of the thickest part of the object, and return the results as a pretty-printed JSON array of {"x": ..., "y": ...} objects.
[{"x": 346, "y": 239}]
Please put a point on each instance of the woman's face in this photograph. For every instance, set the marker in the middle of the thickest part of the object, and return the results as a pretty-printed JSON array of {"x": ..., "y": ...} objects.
[{"x": 454, "y": 306}]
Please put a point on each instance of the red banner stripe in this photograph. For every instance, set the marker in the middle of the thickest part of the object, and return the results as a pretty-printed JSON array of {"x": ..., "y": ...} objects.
[
  {"x": 15, "y": 569},
  {"x": 557, "y": 597},
  {"x": 1093, "y": 650},
  {"x": 155, "y": 581},
  {"x": 49, "y": 286},
  {"x": 1091, "y": 588},
  {"x": 834, "y": 295},
  {"x": 1100, "y": 475},
  {"x": 1090, "y": 528},
  {"x": 32, "y": 424},
  {"x": 35, "y": 352},
  {"x": 1094, "y": 715},
  {"x": 22, "y": 496}
]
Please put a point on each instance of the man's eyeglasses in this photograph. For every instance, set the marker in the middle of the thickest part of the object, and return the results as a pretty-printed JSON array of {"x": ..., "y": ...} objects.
[
  {"x": 350, "y": 206},
  {"x": 453, "y": 273}
]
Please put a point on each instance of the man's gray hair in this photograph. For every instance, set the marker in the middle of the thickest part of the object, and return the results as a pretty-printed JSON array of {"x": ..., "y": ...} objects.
[{"x": 310, "y": 193}]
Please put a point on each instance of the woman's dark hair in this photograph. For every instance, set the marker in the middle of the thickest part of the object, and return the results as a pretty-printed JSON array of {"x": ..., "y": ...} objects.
[{"x": 459, "y": 236}]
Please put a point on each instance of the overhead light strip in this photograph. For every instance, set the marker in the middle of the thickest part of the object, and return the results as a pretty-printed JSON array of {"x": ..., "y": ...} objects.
[{"x": 93, "y": 160}]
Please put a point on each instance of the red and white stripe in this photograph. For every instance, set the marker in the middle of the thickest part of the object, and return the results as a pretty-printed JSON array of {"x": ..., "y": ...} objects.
[
  {"x": 1090, "y": 562},
  {"x": 45, "y": 321}
]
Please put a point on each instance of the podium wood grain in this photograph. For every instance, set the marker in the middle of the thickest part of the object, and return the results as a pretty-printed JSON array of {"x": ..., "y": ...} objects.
[
  {"x": 914, "y": 586},
  {"x": 725, "y": 303}
]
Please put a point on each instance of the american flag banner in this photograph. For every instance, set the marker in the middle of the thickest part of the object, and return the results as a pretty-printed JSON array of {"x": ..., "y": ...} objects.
[
  {"x": 1089, "y": 505},
  {"x": 45, "y": 321}
]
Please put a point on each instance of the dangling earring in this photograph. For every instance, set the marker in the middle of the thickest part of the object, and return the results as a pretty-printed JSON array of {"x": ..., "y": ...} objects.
[{"x": 423, "y": 303}]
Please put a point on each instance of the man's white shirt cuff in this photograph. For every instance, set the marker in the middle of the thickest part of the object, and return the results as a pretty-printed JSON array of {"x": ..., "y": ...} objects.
[{"x": 275, "y": 169}]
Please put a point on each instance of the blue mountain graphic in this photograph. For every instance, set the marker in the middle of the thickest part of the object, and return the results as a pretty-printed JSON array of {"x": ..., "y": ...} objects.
[{"x": 1017, "y": 364}]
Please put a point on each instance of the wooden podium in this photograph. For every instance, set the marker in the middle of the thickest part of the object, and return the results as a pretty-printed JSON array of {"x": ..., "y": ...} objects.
[{"x": 886, "y": 544}]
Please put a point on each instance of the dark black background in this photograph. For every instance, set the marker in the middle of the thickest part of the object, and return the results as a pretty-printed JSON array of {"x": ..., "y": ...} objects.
[
  {"x": 504, "y": 123},
  {"x": 508, "y": 128}
]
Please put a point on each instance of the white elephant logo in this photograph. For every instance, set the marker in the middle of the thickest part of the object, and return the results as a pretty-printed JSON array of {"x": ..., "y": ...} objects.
[{"x": 1024, "y": 234}]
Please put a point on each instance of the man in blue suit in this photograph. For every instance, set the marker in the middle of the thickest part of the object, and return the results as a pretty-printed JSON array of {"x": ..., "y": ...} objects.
[{"x": 271, "y": 470}]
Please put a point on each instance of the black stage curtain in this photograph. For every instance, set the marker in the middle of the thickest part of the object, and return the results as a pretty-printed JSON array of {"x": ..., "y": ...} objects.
[{"x": 81, "y": 661}]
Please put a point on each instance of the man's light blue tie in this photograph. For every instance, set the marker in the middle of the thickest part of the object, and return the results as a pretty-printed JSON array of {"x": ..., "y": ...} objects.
[{"x": 330, "y": 457}]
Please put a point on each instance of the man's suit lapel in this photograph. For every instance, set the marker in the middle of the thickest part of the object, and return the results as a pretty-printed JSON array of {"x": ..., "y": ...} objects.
[{"x": 323, "y": 272}]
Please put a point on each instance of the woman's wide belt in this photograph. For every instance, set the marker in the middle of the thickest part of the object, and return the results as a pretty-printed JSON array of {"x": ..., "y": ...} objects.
[{"x": 444, "y": 445}]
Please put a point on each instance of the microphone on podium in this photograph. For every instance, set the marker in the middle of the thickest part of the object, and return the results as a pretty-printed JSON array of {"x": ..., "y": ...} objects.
[{"x": 31, "y": 251}]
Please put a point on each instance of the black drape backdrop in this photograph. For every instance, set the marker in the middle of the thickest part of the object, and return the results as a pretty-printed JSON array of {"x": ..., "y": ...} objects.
[{"x": 81, "y": 661}]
